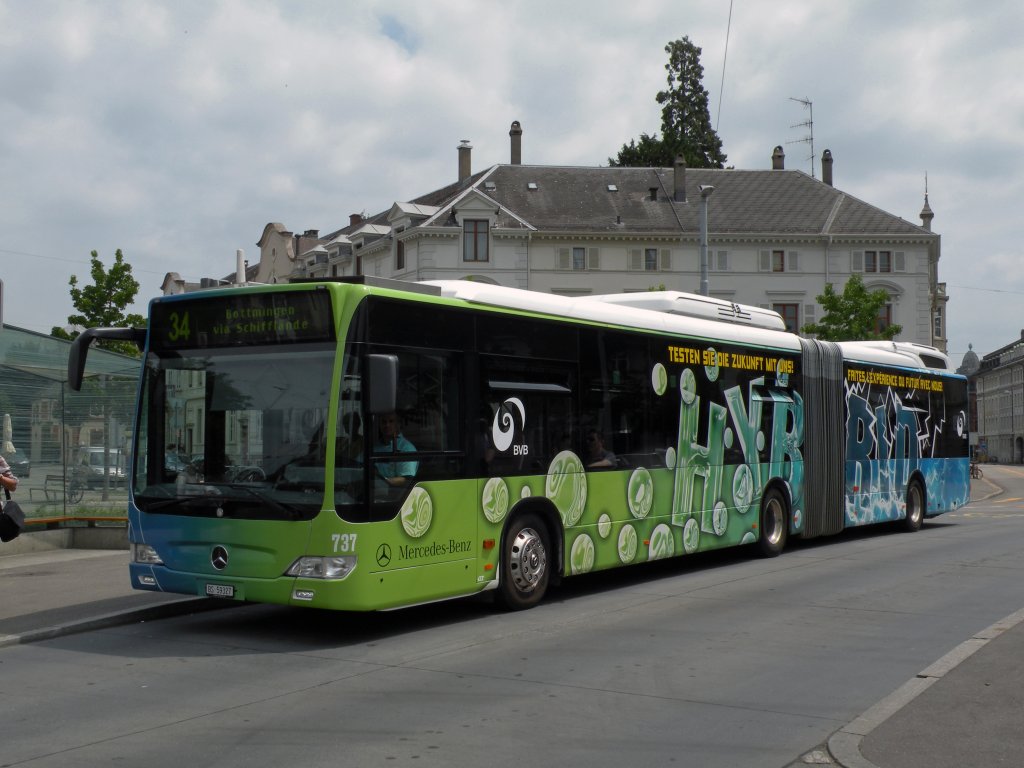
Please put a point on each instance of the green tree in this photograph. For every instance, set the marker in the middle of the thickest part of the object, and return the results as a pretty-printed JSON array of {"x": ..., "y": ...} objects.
[
  {"x": 851, "y": 315},
  {"x": 102, "y": 304},
  {"x": 685, "y": 118}
]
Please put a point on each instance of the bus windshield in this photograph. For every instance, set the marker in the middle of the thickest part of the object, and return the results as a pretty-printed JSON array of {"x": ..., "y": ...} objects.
[{"x": 221, "y": 425}]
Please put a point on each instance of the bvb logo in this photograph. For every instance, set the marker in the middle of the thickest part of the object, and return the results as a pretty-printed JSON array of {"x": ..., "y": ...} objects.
[
  {"x": 509, "y": 420},
  {"x": 383, "y": 555}
]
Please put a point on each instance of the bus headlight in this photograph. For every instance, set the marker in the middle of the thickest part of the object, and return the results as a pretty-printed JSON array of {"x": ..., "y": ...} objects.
[
  {"x": 145, "y": 554},
  {"x": 331, "y": 568}
]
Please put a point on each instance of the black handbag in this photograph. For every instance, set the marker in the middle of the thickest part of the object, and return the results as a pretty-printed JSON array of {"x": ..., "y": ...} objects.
[{"x": 12, "y": 519}]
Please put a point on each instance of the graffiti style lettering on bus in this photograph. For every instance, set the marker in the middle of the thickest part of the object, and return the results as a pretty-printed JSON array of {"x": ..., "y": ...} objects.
[{"x": 707, "y": 488}]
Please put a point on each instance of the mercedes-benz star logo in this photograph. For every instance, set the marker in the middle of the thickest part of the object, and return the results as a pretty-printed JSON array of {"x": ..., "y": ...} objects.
[
  {"x": 219, "y": 558},
  {"x": 383, "y": 555}
]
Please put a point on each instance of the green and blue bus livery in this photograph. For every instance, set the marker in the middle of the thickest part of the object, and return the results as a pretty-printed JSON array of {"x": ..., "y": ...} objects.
[{"x": 358, "y": 444}]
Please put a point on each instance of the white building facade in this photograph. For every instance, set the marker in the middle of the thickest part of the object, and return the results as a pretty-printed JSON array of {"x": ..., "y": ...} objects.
[
  {"x": 775, "y": 238},
  {"x": 999, "y": 385}
]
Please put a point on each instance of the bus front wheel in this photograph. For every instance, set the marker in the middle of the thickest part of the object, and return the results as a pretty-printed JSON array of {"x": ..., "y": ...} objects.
[
  {"x": 915, "y": 507},
  {"x": 525, "y": 564},
  {"x": 774, "y": 523}
]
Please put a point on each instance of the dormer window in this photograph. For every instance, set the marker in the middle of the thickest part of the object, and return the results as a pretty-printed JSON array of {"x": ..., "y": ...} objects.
[{"x": 475, "y": 240}]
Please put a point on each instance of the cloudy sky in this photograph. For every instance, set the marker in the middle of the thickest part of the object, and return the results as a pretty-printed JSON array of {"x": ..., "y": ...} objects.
[{"x": 176, "y": 130}]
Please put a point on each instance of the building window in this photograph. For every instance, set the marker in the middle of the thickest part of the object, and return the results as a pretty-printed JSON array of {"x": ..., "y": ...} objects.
[
  {"x": 399, "y": 255},
  {"x": 579, "y": 259},
  {"x": 884, "y": 319},
  {"x": 474, "y": 240},
  {"x": 779, "y": 261},
  {"x": 651, "y": 259},
  {"x": 878, "y": 261},
  {"x": 790, "y": 315},
  {"x": 938, "y": 324}
]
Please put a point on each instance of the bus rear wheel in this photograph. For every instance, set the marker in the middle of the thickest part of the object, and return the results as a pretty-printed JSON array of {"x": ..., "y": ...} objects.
[
  {"x": 774, "y": 523},
  {"x": 525, "y": 565},
  {"x": 915, "y": 507}
]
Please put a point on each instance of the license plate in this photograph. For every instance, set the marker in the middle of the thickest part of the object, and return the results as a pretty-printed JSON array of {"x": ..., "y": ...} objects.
[{"x": 220, "y": 590}]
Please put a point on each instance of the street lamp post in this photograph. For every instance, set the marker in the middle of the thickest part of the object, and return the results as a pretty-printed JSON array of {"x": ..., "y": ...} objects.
[{"x": 705, "y": 193}]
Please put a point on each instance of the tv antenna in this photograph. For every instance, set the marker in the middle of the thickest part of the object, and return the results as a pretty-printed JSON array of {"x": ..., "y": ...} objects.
[{"x": 809, "y": 125}]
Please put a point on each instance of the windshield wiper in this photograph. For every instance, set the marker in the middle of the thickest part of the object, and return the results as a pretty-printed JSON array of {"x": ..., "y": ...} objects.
[
  {"x": 292, "y": 511},
  {"x": 189, "y": 500},
  {"x": 213, "y": 497}
]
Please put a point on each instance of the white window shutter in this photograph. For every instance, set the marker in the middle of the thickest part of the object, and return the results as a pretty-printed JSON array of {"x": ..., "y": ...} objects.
[
  {"x": 593, "y": 258},
  {"x": 723, "y": 261},
  {"x": 636, "y": 259},
  {"x": 564, "y": 258},
  {"x": 765, "y": 262},
  {"x": 792, "y": 261},
  {"x": 899, "y": 261},
  {"x": 857, "y": 261},
  {"x": 665, "y": 261},
  {"x": 810, "y": 313}
]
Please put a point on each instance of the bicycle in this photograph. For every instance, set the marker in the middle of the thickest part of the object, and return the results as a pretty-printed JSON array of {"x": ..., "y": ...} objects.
[{"x": 60, "y": 488}]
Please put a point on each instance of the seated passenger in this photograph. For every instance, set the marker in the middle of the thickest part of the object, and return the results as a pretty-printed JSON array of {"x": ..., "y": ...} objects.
[
  {"x": 597, "y": 456},
  {"x": 391, "y": 440}
]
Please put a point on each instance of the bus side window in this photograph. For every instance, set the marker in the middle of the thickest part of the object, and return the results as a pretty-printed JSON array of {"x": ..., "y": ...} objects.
[{"x": 530, "y": 416}]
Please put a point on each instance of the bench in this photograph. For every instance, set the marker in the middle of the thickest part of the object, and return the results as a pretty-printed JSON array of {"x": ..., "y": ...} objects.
[{"x": 56, "y": 488}]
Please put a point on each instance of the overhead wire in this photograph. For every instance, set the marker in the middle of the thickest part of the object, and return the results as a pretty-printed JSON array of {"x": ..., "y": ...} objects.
[{"x": 725, "y": 58}]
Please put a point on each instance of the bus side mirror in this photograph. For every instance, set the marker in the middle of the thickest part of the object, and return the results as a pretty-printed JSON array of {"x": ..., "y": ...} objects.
[
  {"x": 80, "y": 349},
  {"x": 383, "y": 394}
]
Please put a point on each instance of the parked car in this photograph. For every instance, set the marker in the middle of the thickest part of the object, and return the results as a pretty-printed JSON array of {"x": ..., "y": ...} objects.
[
  {"x": 19, "y": 463},
  {"x": 90, "y": 467},
  {"x": 174, "y": 463}
]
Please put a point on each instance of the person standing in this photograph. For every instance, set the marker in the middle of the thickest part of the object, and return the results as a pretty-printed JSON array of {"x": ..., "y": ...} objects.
[{"x": 13, "y": 519}]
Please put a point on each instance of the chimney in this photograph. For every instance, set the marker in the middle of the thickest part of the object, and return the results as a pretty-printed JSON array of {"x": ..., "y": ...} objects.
[
  {"x": 778, "y": 159},
  {"x": 679, "y": 180},
  {"x": 826, "y": 166},
  {"x": 465, "y": 166},
  {"x": 355, "y": 218},
  {"x": 516, "y": 134}
]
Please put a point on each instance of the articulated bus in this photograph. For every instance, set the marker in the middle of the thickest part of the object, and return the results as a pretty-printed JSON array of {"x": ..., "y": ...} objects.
[{"x": 362, "y": 444}]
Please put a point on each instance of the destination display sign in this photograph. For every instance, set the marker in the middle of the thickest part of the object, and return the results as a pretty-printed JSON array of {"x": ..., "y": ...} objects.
[{"x": 243, "y": 319}]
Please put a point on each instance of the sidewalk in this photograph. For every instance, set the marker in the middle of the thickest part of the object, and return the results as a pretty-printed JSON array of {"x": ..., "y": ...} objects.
[
  {"x": 963, "y": 710},
  {"x": 61, "y": 591}
]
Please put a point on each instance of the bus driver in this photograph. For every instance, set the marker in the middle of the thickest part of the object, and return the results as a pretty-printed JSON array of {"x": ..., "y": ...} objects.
[{"x": 391, "y": 440}]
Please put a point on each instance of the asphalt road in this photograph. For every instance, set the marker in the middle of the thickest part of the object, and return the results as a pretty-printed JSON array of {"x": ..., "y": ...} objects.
[{"x": 722, "y": 660}]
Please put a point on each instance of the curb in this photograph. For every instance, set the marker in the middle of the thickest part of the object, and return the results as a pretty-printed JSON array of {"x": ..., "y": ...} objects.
[
  {"x": 119, "y": 618},
  {"x": 844, "y": 745},
  {"x": 995, "y": 491}
]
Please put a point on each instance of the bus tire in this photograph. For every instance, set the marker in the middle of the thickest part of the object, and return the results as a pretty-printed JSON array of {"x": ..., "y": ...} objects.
[
  {"x": 774, "y": 523},
  {"x": 525, "y": 563},
  {"x": 915, "y": 507}
]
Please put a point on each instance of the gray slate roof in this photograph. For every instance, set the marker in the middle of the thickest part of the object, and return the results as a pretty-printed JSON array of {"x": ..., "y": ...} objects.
[{"x": 745, "y": 202}]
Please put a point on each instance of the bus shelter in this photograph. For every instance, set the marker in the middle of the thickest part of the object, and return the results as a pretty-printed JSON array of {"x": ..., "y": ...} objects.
[{"x": 69, "y": 449}]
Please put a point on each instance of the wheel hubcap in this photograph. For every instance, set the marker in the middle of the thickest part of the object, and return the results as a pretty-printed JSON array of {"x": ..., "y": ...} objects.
[
  {"x": 914, "y": 504},
  {"x": 773, "y": 521},
  {"x": 528, "y": 561}
]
